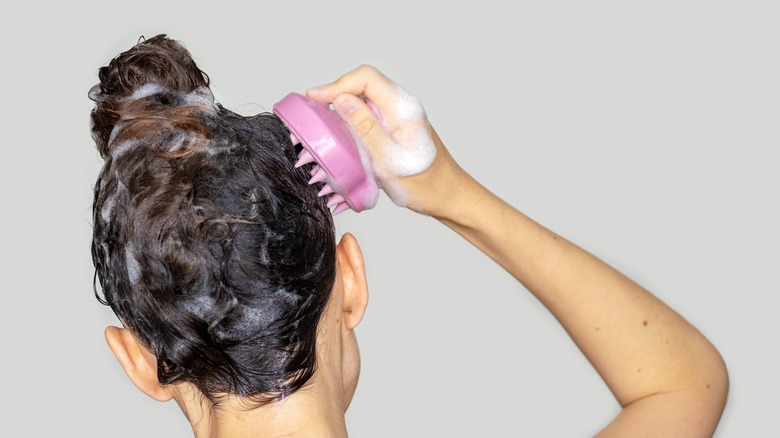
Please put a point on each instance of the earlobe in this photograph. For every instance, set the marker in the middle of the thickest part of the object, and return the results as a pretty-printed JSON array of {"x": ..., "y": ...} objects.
[
  {"x": 353, "y": 276},
  {"x": 139, "y": 364}
]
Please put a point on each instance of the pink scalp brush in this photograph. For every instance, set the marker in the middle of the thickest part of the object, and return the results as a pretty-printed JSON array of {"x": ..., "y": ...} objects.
[{"x": 347, "y": 181}]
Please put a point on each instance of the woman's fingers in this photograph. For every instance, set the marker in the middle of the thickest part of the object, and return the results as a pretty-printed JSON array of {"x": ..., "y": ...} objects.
[
  {"x": 364, "y": 81},
  {"x": 363, "y": 122},
  {"x": 360, "y": 81}
]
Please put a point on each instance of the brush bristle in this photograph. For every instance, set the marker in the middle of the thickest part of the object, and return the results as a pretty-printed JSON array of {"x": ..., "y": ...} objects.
[{"x": 320, "y": 175}]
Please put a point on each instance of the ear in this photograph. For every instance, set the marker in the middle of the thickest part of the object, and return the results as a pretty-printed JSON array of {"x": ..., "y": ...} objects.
[
  {"x": 139, "y": 364},
  {"x": 353, "y": 277}
]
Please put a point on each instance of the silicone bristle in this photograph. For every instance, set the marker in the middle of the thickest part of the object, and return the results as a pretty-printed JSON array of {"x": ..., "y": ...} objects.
[
  {"x": 318, "y": 175},
  {"x": 294, "y": 139},
  {"x": 326, "y": 190},
  {"x": 305, "y": 157},
  {"x": 335, "y": 200},
  {"x": 341, "y": 207}
]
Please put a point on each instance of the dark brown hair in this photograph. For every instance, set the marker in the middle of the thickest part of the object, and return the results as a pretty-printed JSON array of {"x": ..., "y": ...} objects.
[{"x": 208, "y": 243}]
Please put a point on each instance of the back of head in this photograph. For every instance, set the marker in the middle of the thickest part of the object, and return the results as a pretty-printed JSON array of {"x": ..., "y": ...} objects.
[{"x": 208, "y": 244}]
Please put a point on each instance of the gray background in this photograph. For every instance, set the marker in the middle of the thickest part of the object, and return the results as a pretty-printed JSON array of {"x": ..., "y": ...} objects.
[{"x": 646, "y": 132}]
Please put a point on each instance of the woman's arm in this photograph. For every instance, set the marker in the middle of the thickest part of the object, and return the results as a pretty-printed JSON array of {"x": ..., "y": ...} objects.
[{"x": 666, "y": 375}]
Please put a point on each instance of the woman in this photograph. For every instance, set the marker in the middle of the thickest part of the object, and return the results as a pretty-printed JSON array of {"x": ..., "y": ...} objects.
[{"x": 221, "y": 261}]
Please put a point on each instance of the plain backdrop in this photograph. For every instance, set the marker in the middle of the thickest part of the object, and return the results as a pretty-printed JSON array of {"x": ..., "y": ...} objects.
[{"x": 646, "y": 132}]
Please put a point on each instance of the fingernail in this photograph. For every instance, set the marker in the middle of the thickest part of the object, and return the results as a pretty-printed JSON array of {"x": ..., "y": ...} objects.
[{"x": 344, "y": 105}]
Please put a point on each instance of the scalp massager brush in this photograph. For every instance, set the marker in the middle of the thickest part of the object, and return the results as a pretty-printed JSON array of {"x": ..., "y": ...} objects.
[{"x": 327, "y": 140}]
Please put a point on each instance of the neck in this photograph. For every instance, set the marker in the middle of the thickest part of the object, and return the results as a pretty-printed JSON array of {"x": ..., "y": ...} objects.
[
  {"x": 309, "y": 412},
  {"x": 316, "y": 410}
]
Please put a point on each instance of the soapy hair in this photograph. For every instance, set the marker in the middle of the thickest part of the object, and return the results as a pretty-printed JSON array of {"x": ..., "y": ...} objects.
[{"x": 208, "y": 244}]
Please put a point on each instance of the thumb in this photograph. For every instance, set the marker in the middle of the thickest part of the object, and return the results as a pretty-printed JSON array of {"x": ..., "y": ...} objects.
[{"x": 362, "y": 120}]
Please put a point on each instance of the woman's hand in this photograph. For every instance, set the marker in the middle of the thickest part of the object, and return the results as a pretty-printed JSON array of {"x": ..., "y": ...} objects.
[{"x": 409, "y": 160}]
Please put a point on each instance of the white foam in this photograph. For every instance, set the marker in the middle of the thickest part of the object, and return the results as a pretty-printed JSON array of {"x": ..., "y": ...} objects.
[
  {"x": 133, "y": 267},
  {"x": 287, "y": 296},
  {"x": 407, "y": 107},
  {"x": 408, "y": 150},
  {"x": 413, "y": 152},
  {"x": 114, "y": 132},
  {"x": 118, "y": 149},
  {"x": 147, "y": 90},
  {"x": 182, "y": 141},
  {"x": 107, "y": 211},
  {"x": 201, "y": 96},
  {"x": 108, "y": 208},
  {"x": 200, "y": 304}
]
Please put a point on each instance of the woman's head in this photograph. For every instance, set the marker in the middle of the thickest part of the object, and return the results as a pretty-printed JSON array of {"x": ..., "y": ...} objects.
[{"x": 208, "y": 244}]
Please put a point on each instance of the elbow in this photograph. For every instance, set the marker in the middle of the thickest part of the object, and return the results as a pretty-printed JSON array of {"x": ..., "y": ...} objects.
[
  {"x": 720, "y": 382},
  {"x": 715, "y": 376},
  {"x": 711, "y": 387}
]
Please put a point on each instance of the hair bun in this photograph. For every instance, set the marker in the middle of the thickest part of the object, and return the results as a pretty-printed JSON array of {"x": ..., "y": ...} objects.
[{"x": 154, "y": 88}]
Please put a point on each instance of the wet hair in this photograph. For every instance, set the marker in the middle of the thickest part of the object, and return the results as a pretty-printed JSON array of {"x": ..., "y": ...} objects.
[{"x": 208, "y": 244}]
